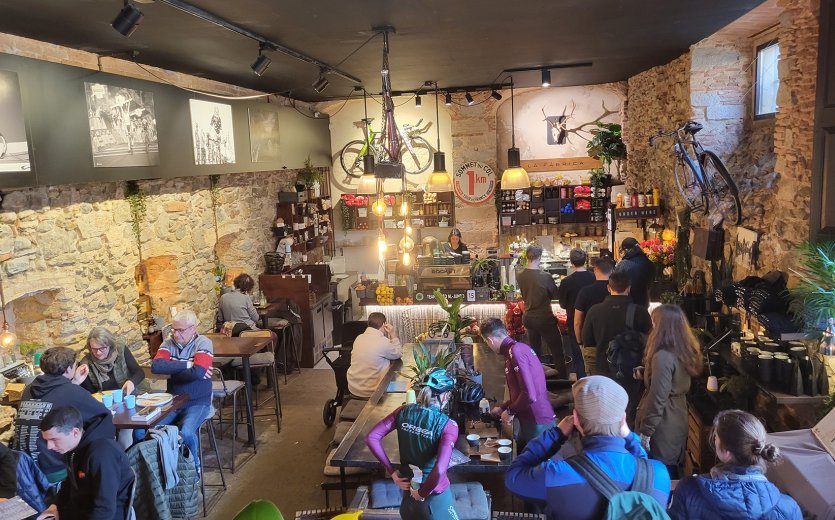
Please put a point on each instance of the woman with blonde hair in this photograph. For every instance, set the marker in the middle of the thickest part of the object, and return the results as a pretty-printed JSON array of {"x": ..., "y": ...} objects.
[
  {"x": 737, "y": 486},
  {"x": 671, "y": 358},
  {"x": 425, "y": 437},
  {"x": 111, "y": 364}
]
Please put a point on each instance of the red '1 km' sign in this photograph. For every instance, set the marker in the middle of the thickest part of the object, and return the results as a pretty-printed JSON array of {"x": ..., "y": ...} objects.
[{"x": 474, "y": 182}]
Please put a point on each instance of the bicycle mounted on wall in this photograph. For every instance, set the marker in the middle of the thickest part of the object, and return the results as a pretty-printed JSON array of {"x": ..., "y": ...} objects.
[{"x": 702, "y": 177}]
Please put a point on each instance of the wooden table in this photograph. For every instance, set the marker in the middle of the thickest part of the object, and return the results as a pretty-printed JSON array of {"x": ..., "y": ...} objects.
[
  {"x": 122, "y": 414},
  {"x": 244, "y": 348},
  {"x": 353, "y": 452}
]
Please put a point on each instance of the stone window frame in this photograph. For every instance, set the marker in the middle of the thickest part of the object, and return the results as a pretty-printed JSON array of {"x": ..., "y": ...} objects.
[{"x": 760, "y": 44}]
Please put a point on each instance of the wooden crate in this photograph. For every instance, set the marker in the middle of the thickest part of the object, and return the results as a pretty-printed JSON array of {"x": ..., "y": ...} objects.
[{"x": 698, "y": 457}]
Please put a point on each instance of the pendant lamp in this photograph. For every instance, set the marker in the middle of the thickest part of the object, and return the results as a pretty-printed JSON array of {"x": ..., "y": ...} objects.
[
  {"x": 367, "y": 184},
  {"x": 8, "y": 339},
  {"x": 439, "y": 180},
  {"x": 514, "y": 177}
]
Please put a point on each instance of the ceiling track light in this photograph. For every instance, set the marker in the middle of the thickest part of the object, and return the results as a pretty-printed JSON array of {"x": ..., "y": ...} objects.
[
  {"x": 448, "y": 99},
  {"x": 321, "y": 83},
  {"x": 496, "y": 95},
  {"x": 469, "y": 98},
  {"x": 259, "y": 66},
  {"x": 127, "y": 20},
  {"x": 546, "y": 77},
  {"x": 418, "y": 103}
]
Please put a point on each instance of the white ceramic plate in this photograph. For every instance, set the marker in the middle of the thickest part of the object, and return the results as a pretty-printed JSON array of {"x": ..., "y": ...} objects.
[{"x": 154, "y": 399}]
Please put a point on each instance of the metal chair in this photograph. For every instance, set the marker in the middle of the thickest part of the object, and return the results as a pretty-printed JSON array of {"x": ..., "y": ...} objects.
[
  {"x": 222, "y": 389},
  {"x": 267, "y": 363},
  {"x": 208, "y": 423}
]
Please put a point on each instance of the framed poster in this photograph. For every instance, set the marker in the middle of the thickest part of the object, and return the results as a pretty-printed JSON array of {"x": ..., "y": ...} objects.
[
  {"x": 263, "y": 134},
  {"x": 211, "y": 127},
  {"x": 14, "y": 147},
  {"x": 123, "y": 126},
  {"x": 474, "y": 182}
]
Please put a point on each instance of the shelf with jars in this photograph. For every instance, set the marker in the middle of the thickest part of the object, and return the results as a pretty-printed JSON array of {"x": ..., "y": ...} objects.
[
  {"x": 566, "y": 204},
  {"x": 309, "y": 220},
  {"x": 425, "y": 210}
]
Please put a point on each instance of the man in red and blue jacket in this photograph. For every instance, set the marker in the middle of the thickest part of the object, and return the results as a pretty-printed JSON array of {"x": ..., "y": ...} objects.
[
  {"x": 186, "y": 357},
  {"x": 525, "y": 378}
]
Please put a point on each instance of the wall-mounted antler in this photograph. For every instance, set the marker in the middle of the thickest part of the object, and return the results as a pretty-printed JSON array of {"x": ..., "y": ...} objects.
[{"x": 583, "y": 127}]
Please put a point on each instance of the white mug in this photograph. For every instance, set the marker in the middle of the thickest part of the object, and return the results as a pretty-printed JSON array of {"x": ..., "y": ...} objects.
[{"x": 712, "y": 384}]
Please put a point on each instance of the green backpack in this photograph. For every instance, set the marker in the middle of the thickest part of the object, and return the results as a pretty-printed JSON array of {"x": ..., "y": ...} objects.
[{"x": 635, "y": 504}]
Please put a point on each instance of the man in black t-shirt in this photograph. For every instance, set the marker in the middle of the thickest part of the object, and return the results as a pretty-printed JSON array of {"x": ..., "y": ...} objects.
[
  {"x": 568, "y": 290},
  {"x": 592, "y": 295}
]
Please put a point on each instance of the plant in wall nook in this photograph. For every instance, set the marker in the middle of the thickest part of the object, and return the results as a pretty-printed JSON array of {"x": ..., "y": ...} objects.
[{"x": 607, "y": 145}]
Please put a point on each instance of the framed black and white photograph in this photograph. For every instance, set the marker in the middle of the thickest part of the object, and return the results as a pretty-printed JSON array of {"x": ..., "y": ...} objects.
[
  {"x": 263, "y": 134},
  {"x": 211, "y": 126},
  {"x": 123, "y": 126},
  {"x": 14, "y": 147}
]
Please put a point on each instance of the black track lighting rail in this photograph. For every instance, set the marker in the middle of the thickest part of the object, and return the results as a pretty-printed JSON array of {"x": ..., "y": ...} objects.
[
  {"x": 262, "y": 40},
  {"x": 549, "y": 67},
  {"x": 452, "y": 90}
]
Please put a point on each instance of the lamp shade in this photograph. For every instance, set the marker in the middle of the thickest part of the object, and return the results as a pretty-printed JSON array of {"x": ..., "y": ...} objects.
[
  {"x": 514, "y": 177},
  {"x": 439, "y": 180},
  {"x": 367, "y": 184}
]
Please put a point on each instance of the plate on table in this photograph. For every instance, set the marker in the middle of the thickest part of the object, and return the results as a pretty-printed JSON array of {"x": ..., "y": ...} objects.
[{"x": 154, "y": 399}]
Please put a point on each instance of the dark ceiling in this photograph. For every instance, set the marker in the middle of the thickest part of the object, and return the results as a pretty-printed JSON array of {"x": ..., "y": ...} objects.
[{"x": 455, "y": 42}]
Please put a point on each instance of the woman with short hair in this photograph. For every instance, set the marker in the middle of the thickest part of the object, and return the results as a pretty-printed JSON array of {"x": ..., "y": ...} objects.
[
  {"x": 111, "y": 365},
  {"x": 236, "y": 305},
  {"x": 737, "y": 486}
]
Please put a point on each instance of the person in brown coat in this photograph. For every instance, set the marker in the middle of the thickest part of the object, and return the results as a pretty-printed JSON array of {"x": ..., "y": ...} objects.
[{"x": 673, "y": 355}]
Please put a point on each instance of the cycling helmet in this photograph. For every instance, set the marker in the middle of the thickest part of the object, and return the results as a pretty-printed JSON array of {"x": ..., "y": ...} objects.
[
  {"x": 471, "y": 392},
  {"x": 439, "y": 381}
]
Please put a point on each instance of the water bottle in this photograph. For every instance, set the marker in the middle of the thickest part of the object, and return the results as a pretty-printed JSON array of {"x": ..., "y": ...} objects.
[{"x": 484, "y": 406}]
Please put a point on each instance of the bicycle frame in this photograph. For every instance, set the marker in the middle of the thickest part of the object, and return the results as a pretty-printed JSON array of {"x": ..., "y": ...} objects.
[{"x": 680, "y": 148}]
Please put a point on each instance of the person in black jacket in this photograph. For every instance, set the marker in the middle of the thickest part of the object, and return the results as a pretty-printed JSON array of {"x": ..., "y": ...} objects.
[
  {"x": 640, "y": 269},
  {"x": 100, "y": 480},
  {"x": 57, "y": 386},
  {"x": 567, "y": 292},
  {"x": 538, "y": 289}
]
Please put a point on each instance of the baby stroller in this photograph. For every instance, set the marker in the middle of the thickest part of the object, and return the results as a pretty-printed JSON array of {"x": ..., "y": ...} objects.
[{"x": 340, "y": 365}]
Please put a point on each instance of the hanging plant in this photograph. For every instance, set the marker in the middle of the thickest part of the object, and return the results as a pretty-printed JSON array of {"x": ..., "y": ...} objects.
[
  {"x": 345, "y": 213},
  {"x": 137, "y": 200}
]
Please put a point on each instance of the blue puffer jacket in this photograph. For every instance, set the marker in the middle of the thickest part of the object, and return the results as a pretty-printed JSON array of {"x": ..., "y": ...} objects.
[
  {"x": 19, "y": 475},
  {"x": 735, "y": 493}
]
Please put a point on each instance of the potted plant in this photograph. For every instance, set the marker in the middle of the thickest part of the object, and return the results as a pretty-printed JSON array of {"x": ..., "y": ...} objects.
[
  {"x": 813, "y": 300},
  {"x": 481, "y": 272},
  {"x": 426, "y": 362},
  {"x": 607, "y": 145},
  {"x": 310, "y": 177}
]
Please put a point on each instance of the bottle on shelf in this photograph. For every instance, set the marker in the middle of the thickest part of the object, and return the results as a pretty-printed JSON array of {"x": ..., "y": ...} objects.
[
  {"x": 627, "y": 201},
  {"x": 619, "y": 200},
  {"x": 634, "y": 200},
  {"x": 656, "y": 196}
]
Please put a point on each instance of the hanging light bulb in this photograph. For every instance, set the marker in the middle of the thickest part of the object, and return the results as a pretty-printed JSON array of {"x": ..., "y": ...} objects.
[
  {"x": 8, "y": 339},
  {"x": 382, "y": 246},
  {"x": 404, "y": 207},
  {"x": 407, "y": 259},
  {"x": 406, "y": 243},
  {"x": 408, "y": 229},
  {"x": 379, "y": 206}
]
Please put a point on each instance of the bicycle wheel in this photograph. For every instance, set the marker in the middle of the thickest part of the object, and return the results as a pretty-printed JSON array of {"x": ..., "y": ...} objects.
[
  {"x": 419, "y": 158},
  {"x": 3, "y": 147},
  {"x": 351, "y": 158},
  {"x": 721, "y": 187},
  {"x": 689, "y": 186}
]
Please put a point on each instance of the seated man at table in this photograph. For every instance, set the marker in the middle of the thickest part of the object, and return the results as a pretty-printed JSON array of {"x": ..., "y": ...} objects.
[
  {"x": 100, "y": 479},
  {"x": 57, "y": 386},
  {"x": 599, "y": 418},
  {"x": 525, "y": 378},
  {"x": 187, "y": 358},
  {"x": 373, "y": 352}
]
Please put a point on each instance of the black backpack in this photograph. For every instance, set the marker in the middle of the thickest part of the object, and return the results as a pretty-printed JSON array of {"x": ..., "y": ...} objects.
[{"x": 626, "y": 350}]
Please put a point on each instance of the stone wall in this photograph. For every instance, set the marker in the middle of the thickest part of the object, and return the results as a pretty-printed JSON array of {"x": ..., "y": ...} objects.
[{"x": 770, "y": 160}]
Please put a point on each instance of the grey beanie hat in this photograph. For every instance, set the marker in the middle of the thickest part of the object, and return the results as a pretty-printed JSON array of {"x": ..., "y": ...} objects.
[{"x": 599, "y": 400}]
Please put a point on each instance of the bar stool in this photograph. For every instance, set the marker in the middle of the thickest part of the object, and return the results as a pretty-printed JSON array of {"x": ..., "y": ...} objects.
[
  {"x": 222, "y": 389},
  {"x": 266, "y": 361},
  {"x": 208, "y": 425}
]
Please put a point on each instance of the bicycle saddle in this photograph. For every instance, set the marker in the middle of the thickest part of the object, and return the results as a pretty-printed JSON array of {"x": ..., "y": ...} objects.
[{"x": 692, "y": 127}]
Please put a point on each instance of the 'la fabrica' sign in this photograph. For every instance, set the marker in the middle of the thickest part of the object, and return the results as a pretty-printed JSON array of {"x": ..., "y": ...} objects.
[{"x": 474, "y": 182}]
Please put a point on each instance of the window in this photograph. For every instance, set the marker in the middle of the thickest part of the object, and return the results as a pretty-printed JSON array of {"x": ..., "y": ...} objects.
[{"x": 767, "y": 81}]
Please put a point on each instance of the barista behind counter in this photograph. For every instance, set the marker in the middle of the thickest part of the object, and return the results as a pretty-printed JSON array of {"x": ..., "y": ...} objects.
[{"x": 454, "y": 243}]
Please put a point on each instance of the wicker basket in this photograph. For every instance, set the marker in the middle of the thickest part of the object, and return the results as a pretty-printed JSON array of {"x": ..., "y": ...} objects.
[{"x": 274, "y": 262}]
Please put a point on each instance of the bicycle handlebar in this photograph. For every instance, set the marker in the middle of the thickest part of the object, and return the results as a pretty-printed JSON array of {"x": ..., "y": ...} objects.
[{"x": 681, "y": 127}]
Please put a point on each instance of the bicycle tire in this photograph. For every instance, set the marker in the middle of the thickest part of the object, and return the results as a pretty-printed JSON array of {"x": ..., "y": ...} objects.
[
  {"x": 3, "y": 146},
  {"x": 690, "y": 186},
  {"x": 721, "y": 187},
  {"x": 419, "y": 159},
  {"x": 351, "y": 159}
]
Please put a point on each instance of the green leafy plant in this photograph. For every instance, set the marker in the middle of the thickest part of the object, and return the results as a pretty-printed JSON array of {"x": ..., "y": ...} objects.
[
  {"x": 826, "y": 405},
  {"x": 309, "y": 175},
  {"x": 671, "y": 297},
  {"x": 597, "y": 178},
  {"x": 29, "y": 349},
  {"x": 607, "y": 145},
  {"x": 813, "y": 300},
  {"x": 426, "y": 362},
  {"x": 345, "y": 213},
  {"x": 454, "y": 323},
  {"x": 137, "y": 200},
  {"x": 481, "y": 271}
]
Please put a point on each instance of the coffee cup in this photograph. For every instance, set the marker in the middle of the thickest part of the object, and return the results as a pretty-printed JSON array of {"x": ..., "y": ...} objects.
[
  {"x": 798, "y": 352},
  {"x": 505, "y": 452},
  {"x": 117, "y": 395},
  {"x": 130, "y": 401},
  {"x": 765, "y": 368},
  {"x": 504, "y": 443},
  {"x": 107, "y": 400},
  {"x": 473, "y": 440}
]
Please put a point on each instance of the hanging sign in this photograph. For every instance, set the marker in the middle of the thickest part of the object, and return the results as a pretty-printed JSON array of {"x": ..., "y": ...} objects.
[{"x": 474, "y": 182}]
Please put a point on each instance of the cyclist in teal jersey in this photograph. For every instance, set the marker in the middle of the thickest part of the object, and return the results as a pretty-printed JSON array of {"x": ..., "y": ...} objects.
[{"x": 426, "y": 437}]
